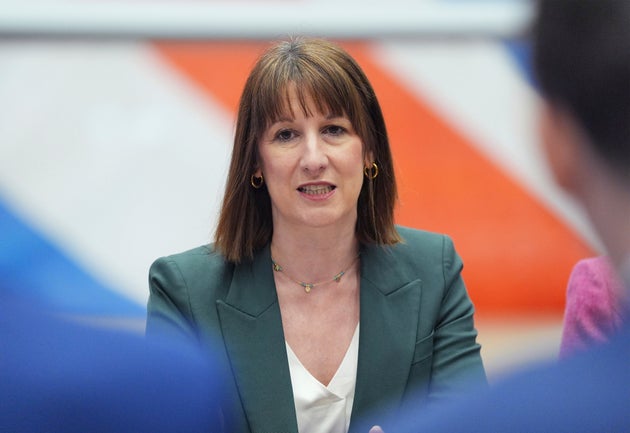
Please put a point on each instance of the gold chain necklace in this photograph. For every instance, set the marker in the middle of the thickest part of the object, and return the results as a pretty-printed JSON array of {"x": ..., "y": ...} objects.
[{"x": 308, "y": 286}]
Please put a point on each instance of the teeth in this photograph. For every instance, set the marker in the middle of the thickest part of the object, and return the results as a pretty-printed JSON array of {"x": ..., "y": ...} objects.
[{"x": 316, "y": 189}]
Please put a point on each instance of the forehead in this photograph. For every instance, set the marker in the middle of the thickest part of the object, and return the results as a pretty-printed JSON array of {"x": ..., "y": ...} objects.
[{"x": 293, "y": 100}]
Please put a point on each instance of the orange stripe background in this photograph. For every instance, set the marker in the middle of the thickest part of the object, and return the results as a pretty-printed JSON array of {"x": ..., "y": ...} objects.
[{"x": 517, "y": 254}]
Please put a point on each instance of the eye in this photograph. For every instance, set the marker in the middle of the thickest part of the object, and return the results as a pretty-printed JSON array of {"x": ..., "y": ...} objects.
[
  {"x": 334, "y": 130},
  {"x": 285, "y": 135}
]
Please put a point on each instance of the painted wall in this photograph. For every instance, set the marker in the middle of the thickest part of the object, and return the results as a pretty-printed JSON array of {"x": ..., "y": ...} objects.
[{"x": 115, "y": 153}]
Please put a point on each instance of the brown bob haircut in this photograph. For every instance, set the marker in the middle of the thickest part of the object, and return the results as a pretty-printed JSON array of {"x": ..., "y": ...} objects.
[{"x": 337, "y": 85}]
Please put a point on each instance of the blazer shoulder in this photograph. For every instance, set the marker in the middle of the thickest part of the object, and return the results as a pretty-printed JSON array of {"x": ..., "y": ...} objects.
[
  {"x": 429, "y": 254},
  {"x": 423, "y": 244},
  {"x": 205, "y": 254},
  {"x": 201, "y": 269},
  {"x": 421, "y": 255}
]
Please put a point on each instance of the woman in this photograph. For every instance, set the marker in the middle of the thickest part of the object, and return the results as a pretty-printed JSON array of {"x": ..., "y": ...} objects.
[{"x": 326, "y": 311}]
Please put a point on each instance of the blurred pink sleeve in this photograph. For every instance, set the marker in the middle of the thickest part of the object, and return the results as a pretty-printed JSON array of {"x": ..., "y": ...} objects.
[{"x": 592, "y": 311}]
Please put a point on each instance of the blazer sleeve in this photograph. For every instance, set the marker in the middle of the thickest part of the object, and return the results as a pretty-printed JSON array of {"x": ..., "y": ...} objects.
[
  {"x": 169, "y": 311},
  {"x": 457, "y": 360}
]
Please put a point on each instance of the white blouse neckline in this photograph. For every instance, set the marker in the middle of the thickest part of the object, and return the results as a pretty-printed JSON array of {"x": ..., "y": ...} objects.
[{"x": 325, "y": 408}]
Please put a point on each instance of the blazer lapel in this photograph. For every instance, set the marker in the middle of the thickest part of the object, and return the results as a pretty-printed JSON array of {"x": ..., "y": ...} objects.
[
  {"x": 390, "y": 305},
  {"x": 254, "y": 339}
]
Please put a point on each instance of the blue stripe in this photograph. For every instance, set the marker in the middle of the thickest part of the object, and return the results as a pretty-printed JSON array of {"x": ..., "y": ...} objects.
[
  {"x": 521, "y": 53},
  {"x": 32, "y": 266}
]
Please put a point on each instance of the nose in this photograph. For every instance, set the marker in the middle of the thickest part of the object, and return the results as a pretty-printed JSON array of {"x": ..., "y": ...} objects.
[{"x": 314, "y": 158}]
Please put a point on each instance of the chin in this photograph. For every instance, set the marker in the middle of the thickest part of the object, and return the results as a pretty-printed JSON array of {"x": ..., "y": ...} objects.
[{"x": 328, "y": 219}]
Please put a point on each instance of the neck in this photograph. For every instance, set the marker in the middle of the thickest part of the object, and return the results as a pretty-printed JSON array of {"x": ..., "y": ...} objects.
[
  {"x": 605, "y": 196},
  {"x": 316, "y": 257},
  {"x": 624, "y": 273},
  {"x": 607, "y": 202},
  {"x": 309, "y": 285}
]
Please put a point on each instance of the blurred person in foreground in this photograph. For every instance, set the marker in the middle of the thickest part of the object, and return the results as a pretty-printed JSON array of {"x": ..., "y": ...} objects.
[
  {"x": 582, "y": 59},
  {"x": 59, "y": 376},
  {"x": 327, "y": 310}
]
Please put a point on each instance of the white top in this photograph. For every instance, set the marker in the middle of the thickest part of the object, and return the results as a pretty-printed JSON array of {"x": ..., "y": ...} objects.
[{"x": 322, "y": 408}]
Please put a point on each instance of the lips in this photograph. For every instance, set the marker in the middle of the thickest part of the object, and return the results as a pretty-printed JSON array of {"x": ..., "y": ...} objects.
[{"x": 316, "y": 189}]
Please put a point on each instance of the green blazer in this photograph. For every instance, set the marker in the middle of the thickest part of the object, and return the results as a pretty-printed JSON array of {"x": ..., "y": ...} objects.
[{"x": 417, "y": 332}]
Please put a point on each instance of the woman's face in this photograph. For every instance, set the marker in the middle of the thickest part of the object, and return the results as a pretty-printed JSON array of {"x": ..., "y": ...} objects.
[{"x": 313, "y": 167}]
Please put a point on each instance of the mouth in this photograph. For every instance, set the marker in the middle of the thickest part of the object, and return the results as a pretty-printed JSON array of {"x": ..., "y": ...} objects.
[{"x": 316, "y": 189}]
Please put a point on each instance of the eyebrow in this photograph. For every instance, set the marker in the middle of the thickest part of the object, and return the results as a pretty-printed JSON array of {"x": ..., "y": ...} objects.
[
  {"x": 282, "y": 119},
  {"x": 327, "y": 117},
  {"x": 336, "y": 116}
]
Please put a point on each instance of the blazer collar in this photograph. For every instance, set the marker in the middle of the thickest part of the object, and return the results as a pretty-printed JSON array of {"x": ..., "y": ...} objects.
[
  {"x": 390, "y": 307},
  {"x": 252, "y": 290},
  {"x": 252, "y": 330}
]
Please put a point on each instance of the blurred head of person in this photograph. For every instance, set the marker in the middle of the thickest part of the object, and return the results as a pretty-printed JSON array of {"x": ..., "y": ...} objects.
[{"x": 582, "y": 63}]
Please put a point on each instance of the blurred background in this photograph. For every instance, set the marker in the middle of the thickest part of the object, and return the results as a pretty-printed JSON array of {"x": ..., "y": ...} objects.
[{"x": 116, "y": 122}]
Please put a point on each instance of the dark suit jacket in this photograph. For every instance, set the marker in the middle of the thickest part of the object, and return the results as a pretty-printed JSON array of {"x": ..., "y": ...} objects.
[
  {"x": 417, "y": 330},
  {"x": 57, "y": 376},
  {"x": 587, "y": 393}
]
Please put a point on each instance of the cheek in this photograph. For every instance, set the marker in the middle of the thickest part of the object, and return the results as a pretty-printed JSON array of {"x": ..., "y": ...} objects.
[
  {"x": 270, "y": 163},
  {"x": 275, "y": 172},
  {"x": 355, "y": 167},
  {"x": 567, "y": 153},
  {"x": 554, "y": 147},
  {"x": 355, "y": 155}
]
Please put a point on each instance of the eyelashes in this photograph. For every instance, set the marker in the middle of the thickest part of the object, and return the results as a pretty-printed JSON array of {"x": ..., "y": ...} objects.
[
  {"x": 285, "y": 135},
  {"x": 335, "y": 130}
]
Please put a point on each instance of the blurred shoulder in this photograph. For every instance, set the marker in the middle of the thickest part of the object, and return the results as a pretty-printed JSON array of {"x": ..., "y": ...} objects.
[
  {"x": 596, "y": 275},
  {"x": 53, "y": 356}
]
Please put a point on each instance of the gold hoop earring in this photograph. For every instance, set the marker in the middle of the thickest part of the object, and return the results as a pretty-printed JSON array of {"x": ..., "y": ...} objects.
[
  {"x": 371, "y": 172},
  {"x": 256, "y": 181}
]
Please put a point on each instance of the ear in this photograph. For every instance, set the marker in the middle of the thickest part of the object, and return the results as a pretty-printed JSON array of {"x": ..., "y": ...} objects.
[
  {"x": 257, "y": 172},
  {"x": 559, "y": 138}
]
